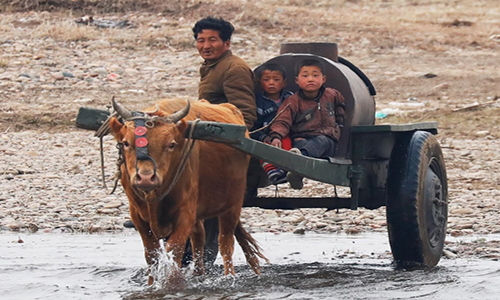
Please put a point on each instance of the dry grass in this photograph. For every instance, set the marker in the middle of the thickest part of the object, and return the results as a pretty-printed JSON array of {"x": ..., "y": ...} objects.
[
  {"x": 67, "y": 31},
  {"x": 394, "y": 42},
  {"x": 87, "y": 6},
  {"x": 171, "y": 37},
  {"x": 428, "y": 25},
  {"x": 64, "y": 30}
]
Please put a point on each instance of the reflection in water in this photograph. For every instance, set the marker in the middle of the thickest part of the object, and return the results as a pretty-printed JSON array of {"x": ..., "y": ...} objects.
[
  {"x": 312, "y": 266},
  {"x": 313, "y": 281}
]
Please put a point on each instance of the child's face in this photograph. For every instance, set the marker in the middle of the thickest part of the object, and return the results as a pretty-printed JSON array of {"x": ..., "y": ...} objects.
[
  {"x": 272, "y": 82},
  {"x": 310, "y": 78}
]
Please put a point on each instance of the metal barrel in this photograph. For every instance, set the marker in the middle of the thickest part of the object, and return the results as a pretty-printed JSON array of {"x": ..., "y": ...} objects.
[{"x": 326, "y": 50}]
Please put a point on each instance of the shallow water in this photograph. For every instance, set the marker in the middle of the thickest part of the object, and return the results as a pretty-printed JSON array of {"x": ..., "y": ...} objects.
[{"x": 310, "y": 266}]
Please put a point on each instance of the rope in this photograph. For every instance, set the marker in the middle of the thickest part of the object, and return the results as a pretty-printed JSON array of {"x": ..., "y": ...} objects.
[
  {"x": 269, "y": 124},
  {"x": 119, "y": 163},
  {"x": 102, "y": 163},
  {"x": 121, "y": 160},
  {"x": 187, "y": 149},
  {"x": 103, "y": 130}
]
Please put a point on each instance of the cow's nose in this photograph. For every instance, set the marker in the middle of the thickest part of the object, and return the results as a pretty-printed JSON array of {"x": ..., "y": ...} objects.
[{"x": 146, "y": 181}]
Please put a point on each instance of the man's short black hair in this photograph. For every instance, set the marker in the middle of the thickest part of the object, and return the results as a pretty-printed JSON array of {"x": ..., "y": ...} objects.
[
  {"x": 310, "y": 62},
  {"x": 271, "y": 67},
  {"x": 224, "y": 28}
]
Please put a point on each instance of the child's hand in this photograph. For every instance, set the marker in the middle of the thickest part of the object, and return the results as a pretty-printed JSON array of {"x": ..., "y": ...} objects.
[{"x": 276, "y": 142}]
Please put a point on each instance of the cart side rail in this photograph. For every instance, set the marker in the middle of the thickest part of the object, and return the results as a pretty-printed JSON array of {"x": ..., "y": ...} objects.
[
  {"x": 336, "y": 171},
  {"x": 425, "y": 126}
]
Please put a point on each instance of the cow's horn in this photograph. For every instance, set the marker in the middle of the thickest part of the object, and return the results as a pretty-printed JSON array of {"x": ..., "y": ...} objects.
[
  {"x": 177, "y": 116},
  {"x": 122, "y": 111}
]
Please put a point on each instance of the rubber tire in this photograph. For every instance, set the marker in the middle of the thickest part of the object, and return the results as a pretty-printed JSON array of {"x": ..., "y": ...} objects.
[{"x": 417, "y": 202}]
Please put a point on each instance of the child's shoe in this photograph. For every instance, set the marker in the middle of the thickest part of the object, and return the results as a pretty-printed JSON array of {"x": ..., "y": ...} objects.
[
  {"x": 295, "y": 179},
  {"x": 277, "y": 176}
]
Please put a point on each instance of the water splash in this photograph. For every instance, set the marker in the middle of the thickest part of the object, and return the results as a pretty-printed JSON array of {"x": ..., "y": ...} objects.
[{"x": 167, "y": 274}]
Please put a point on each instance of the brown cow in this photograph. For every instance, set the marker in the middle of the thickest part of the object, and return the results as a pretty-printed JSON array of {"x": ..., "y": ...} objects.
[{"x": 210, "y": 184}]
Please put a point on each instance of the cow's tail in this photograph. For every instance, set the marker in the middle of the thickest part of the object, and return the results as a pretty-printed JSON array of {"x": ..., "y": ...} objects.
[{"x": 250, "y": 247}]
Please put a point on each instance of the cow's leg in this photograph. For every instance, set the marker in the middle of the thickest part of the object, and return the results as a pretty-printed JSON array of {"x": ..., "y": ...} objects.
[
  {"x": 197, "y": 244},
  {"x": 176, "y": 243},
  {"x": 227, "y": 224},
  {"x": 211, "y": 248},
  {"x": 150, "y": 243}
]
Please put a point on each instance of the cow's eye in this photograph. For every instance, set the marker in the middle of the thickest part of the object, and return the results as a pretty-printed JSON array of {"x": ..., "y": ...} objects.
[
  {"x": 126, "y": 144},
  {"x": 171, "y": 146}
]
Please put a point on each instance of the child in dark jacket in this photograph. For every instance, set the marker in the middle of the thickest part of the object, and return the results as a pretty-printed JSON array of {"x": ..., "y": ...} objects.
[
  {"x": 272, "y": 78},
  {"x": 312, "y": 117}
]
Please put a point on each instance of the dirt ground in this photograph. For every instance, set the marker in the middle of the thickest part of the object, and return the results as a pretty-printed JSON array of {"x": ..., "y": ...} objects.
[
  {"x": 443, "y": 54},
  {"x": 429, "y": 60}
]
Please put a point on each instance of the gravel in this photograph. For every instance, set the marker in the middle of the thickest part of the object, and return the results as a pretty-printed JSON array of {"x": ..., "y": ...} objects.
[{"x": 50, "y": 177}]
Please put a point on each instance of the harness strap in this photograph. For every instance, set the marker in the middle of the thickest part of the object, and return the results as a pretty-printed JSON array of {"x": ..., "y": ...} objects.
[
  {"x": 141, "y": 142},
  {"x": 122, "y": 161},
  {"x": 119, "y": 162},
  {"x": 186, "y": 152},
  {"x": 101, "y": 148}
]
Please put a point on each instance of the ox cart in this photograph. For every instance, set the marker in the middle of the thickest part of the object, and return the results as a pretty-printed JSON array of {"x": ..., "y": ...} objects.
[{"x": 397, "y": 166}]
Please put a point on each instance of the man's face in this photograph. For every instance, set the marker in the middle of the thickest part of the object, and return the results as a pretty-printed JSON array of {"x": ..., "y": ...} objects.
[
  {"x": 310, "y": 78},
  {"x": 210, "y": 45},
  {"x": 272, "y": 82}
]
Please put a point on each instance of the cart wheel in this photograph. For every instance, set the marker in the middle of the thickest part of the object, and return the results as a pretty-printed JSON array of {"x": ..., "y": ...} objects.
[{"x": 417, "y": 207}]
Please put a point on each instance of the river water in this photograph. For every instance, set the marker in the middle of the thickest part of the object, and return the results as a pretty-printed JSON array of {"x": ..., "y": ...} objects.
[{"x": 310, "y": 266}]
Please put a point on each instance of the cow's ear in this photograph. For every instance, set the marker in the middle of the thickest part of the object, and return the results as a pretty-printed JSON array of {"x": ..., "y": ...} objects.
[
  {"x": 182, "y": 125},
  {"x": 116, "y": 128}
]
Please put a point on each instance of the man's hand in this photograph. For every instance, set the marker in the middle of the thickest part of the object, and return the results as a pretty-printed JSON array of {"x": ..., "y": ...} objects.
[{"x": 276, "y": 142}]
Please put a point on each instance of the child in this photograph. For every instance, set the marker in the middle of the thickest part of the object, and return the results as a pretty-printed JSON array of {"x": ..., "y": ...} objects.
[
  {"x": 312, "y": 117},
  {"x": 272, "y": 78}
]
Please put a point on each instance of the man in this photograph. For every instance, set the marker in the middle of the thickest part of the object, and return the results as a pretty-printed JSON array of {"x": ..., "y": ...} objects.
[
  {"x": 224, "y": 77},
  {"x": 227, "y": 78}
]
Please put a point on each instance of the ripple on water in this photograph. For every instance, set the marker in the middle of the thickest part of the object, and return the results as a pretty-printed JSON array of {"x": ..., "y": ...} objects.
[{"x": 78, "y": 266}]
